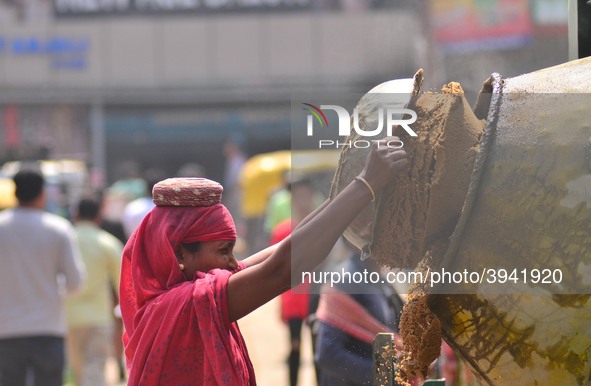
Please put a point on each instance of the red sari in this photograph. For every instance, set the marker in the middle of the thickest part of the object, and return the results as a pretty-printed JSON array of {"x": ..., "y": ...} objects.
[{"x": 178, "y": 332}]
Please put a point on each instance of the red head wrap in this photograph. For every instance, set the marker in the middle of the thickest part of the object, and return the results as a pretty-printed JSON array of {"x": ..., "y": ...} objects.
[
  {"x": 150, "y": 268},
  {"x": 188, "y": 210}
]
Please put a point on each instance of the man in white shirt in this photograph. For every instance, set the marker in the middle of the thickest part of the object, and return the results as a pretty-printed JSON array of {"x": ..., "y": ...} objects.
[{"x": 40, "y": 262}]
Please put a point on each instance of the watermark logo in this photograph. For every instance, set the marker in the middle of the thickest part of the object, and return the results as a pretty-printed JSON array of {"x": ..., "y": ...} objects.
[
  {"x": 388, "y": 116},
  {"x": 317, "y": 113}
]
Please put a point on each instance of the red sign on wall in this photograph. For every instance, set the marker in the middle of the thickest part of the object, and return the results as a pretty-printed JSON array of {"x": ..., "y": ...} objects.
[
  {"x": 11, "y": 127},
  {"x": 470, "y": 25}
]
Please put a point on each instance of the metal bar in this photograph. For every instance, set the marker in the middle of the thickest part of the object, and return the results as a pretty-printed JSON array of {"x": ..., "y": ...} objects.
[
  {"x": 573, "y": 30},
  {"x": 384, "y": 360}
]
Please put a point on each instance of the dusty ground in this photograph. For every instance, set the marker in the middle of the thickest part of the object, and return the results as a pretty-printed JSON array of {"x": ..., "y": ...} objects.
[{"x": 267, "y": 339}]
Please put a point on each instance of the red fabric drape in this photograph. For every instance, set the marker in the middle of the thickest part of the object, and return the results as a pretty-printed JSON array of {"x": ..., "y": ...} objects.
[
  {"x": 178, "y": 332},
  {"x": 341, "y": 311}
]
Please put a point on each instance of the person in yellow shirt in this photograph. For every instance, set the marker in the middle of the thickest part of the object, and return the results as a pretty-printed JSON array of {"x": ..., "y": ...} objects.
[{"x": 89, "y": 312}]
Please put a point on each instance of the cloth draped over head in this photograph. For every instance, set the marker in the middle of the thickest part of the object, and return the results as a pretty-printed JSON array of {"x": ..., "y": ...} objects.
[
  {"x": 178, "y": 331},
  {"x": 341, "y": 311}
]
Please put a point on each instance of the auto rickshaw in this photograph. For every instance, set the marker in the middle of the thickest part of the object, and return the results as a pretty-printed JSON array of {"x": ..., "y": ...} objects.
[
  {"x": 264, "y": 174},
  {"x": 65, "y": 182},
  {"x": 7, "y": 199}
]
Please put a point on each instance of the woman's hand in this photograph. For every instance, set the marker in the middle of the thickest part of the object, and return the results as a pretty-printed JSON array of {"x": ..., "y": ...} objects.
[
  {"x": 312, "y": 240},
  {"x": 386, "y": 159}
]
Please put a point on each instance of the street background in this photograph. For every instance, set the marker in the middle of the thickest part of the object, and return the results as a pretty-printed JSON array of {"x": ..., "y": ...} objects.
[{"x": 108, "y": 90}]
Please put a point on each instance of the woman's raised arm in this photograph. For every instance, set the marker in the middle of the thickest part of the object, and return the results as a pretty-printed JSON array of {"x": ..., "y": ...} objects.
[{"x": 311, "y": 242}]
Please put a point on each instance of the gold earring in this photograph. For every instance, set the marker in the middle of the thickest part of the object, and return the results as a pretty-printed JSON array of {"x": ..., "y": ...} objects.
[{"x": 182, "y": 266}]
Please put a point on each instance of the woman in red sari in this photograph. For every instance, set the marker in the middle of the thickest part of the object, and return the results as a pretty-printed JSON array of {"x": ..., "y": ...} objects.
[{"x": 182, "y": 291}]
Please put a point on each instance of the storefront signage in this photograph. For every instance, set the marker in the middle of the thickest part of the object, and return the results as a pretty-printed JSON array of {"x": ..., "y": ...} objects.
[
  {"x": 62, "y": 52},
  {"x": 110, "y": 7}
]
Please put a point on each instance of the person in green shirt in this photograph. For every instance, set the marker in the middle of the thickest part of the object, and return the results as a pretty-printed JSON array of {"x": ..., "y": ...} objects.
[{"x": 90, "y": 311}]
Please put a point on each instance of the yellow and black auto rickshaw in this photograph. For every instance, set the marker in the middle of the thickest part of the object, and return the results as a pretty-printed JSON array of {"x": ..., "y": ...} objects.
[{"x": 264, "y": 174}]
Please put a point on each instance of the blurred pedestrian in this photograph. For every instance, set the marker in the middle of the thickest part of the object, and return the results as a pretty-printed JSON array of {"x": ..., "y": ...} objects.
[
  {"x": 294, "y": 302},
  {"x": 40, "y": 259},
  {"x": 130, "y": 182},
  {"x": 115, "y": 228},
  {"x": 89, "y": 312},
  {"x": 278, "y": 205},
  {"x": 350, "y": 314},
  {"x": 235, "y": 153},
  {"x": 135, "y": 211},
  {"x": 337, "y": 256},
  {"x": 129, "y": 185}
]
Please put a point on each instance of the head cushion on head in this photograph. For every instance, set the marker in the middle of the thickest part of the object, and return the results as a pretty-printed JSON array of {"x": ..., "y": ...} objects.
[{"x": 187, "y": 192}]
